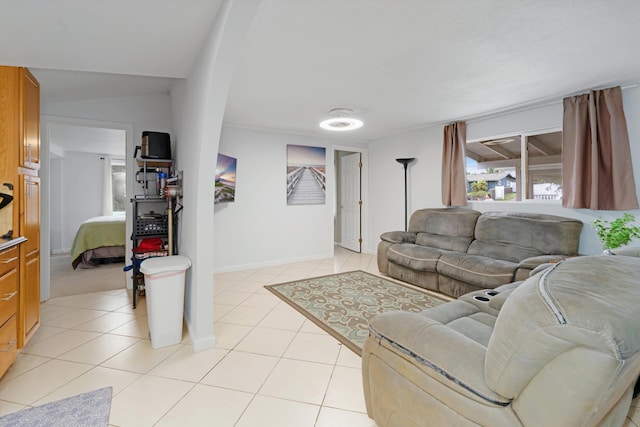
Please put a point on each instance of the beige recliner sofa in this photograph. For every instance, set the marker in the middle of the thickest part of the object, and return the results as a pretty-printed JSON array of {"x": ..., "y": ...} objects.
[
  {"x": 561, "y": 348},
  {"x": 458, "y": 250}
]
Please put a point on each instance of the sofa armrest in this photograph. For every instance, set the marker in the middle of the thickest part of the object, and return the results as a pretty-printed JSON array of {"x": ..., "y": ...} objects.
[
  {"x": 398, "y": 237},
  {"x": 442, "y": 353},
  {"x": 628, "y": 251},
  {"x": 530, "y": 266},
  {"x": 533, "y": 262}
]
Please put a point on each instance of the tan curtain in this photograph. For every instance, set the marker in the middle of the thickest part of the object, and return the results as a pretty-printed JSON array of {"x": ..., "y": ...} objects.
[
  {"x": 454, "y": 179},
  {"x": 596, "y": 160}
]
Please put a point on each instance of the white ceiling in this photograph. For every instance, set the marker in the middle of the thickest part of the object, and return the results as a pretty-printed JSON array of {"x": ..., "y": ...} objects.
[{"x": 400, "y": 64}]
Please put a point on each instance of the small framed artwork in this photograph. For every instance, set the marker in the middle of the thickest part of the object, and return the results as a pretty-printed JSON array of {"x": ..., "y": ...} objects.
[
  {"x": 225, "y": 187},
  {"x": 306, "y": 175}
]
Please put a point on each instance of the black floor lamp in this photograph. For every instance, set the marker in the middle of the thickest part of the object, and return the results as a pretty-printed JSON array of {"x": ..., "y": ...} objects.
[{"x": 405, "y": 162}]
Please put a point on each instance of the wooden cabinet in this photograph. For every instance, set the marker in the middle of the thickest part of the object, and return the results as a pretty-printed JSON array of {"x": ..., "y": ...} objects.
[
  {"x": 19, "y": 165},
  {"x": 8, "y": 346},
  {"x": 9, "y": 144},
  {"x": 29, "y": 318},
  {"x": 30, "y": 118},
  {"x": 30, "y": 300},
  {"x": 8, "y": 307},
  {"x": 30, "y": 213},
  {"x": 8, "y": 284}
]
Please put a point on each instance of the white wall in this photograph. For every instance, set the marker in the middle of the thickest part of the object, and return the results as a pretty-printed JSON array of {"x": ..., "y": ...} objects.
[
  {"x": 55, "y": 205},
  {"x": 198, "y": 105},
  {"x": 387, "y": 205},
  {"x": 149, "y": 112},
  {"x": 136, "y": 114},
  {"x": 78, "y": 196},
  {"x": 133, "y": 114},
  {"x": 259, "y": 228},
  {"x": 386, "y": 179}
]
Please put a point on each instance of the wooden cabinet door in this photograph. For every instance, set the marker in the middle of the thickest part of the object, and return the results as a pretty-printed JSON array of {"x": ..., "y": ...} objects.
[
  {"x": 9, "y": 277},
  {"x": 29, "y": 312},
  {"x": 8, "y": 347},
  {"x": 30, "y": 126},
  {"x": 31, "y": 295},
  {"x": 8, "y": 286},
  {"x": 30, "y": 213}
]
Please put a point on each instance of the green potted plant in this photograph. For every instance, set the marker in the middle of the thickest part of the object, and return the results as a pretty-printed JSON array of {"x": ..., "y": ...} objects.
[{"x": 616, "y": 233}]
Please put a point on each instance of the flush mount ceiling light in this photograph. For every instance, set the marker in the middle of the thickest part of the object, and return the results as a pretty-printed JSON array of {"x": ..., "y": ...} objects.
[{"x": 340, "y": 120}]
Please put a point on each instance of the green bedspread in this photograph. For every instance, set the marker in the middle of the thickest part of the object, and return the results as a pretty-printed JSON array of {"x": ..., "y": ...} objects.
[{"x": 96, "y": 233}]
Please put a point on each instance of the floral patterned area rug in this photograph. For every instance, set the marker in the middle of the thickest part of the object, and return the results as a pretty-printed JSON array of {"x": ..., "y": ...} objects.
[{"x": 343, "y": 303}]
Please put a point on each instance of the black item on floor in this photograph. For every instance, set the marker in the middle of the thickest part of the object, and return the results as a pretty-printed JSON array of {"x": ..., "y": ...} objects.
[{"x": 114, "y": 260}]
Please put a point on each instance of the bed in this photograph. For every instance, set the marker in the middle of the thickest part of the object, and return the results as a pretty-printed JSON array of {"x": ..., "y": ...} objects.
[{"x": 98, "y": 238}]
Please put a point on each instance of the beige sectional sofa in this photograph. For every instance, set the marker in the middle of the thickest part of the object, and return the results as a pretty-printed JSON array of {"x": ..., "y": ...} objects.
[
  {"x": 561, "y": 348},
  {"x": 457, "y": 250}
]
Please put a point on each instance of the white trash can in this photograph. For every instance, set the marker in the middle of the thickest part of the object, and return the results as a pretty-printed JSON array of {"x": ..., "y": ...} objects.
[{"x": 164, "y": 279}]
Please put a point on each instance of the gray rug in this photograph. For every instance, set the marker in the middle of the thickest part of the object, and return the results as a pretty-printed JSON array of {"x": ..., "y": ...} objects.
[{"x": 84, "y": 410}]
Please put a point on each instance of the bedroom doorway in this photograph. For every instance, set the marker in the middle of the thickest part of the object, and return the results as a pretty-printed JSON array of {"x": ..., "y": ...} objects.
[{"x": 87, "y": 177}]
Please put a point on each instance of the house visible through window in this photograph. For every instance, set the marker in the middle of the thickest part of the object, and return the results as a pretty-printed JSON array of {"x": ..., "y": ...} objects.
[
  {"x": 118, "y": 185},
  {"x": 495, "y": 168}
]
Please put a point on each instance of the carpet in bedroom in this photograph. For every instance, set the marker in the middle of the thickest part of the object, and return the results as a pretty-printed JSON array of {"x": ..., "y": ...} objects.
[{"x": 67, "y": 281}]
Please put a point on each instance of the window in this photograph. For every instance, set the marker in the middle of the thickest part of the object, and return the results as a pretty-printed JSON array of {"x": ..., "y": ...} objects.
[
  {"x": 118, "y": 185},
  {"x": 494, "y": 167},
  {"x": 544, "y": 171}
]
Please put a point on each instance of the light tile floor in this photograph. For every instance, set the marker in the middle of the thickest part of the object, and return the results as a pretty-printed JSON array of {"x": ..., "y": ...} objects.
[{"x": 271, "y": 366}]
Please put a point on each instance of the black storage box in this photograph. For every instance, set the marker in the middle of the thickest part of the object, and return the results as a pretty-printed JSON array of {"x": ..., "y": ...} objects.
[
  {"x": 156, "y": 145},
  {"x": 151, "y": 226}
]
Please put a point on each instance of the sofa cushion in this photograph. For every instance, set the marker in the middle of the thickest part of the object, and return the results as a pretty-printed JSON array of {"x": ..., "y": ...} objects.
[
  {"x": 419, "y": 258},
  {"x": 480, "y": 271},
  {"x": 586, "y": 305},
  {"x": 419, "y": 219},
  {"x": 514, "y": 236},
  {"x": 450, "y": 229},
  {"x": 438, "y": 351},
  {"x": 451, "y": 243},
  {"x": 503, "y": 251},
  {"x": 465, "y": 317}
]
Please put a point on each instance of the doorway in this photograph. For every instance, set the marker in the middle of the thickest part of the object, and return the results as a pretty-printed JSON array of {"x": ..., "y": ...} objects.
[
  {"x": 86, "y": 174},
  {"x": 350, "y": 198}
]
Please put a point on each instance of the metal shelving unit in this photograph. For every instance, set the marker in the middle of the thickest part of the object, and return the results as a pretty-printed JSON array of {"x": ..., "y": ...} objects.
[{"x": 147, "y": 225}]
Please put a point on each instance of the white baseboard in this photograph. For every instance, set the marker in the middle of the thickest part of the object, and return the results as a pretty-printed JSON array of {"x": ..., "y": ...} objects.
[
  {"x": 200, "y": 344},
  {"x": 271, "y": 263}
]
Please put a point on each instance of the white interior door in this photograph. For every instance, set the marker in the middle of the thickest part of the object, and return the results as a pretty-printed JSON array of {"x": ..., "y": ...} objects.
[{"x": 350, "y": 202}]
